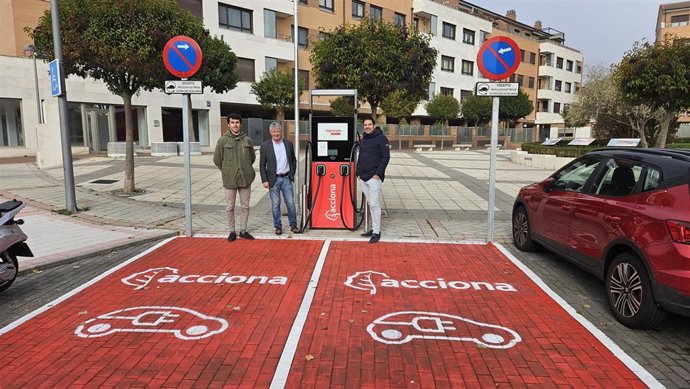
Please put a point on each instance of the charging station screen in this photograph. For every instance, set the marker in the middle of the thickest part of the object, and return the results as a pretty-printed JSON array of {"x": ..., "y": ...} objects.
[{"x": 332, "y": 131}]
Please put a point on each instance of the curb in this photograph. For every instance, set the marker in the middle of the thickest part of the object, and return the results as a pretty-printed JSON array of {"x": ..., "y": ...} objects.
[{"x": 95, "y": 253}]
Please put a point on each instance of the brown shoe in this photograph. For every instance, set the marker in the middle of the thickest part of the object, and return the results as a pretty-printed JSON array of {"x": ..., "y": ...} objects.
[
  {"x": 294, "y": 229},
  {"x": 232, "y": 236},
  {"x": 279, "y": 231},
  {"x": 246, "y": 235}
]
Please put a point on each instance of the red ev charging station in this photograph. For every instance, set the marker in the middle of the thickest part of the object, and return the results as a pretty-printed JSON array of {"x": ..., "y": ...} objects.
[{"x": 332, "y": 187}]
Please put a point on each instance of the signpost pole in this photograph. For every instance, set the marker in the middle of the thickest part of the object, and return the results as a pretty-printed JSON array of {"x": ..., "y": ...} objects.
[
  {"x": 70, "y": 196},
  {"x": 492, "y": 170},
  {"x": 187, "y": 166}
]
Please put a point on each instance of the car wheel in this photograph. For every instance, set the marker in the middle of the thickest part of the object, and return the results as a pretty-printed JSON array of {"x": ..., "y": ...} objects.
[
  {"x": 629, "y": 291},
  {"x": 522, "y": 233},
  {"x": 9, "y": 267}
]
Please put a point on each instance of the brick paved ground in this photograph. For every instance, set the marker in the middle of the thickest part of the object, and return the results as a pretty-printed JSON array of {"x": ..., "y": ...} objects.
[{"x": 539, "y": 343}]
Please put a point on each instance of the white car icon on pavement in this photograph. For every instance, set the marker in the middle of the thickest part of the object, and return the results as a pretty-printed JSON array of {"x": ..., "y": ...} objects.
[
  {"x": 184, "y": 323},
  {"x": 402, "y": 327}
]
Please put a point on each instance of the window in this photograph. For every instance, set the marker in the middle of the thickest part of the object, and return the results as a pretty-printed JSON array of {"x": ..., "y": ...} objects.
[
  {"x": 464, "y": 94},
  {"x": 303, "y": 2},
  {"x": 556, "y": 107},
  {"x": 447, "y": 91},
  {"x": 375, "y": 13},
  {"x": 302, "y": 36},
  {"x": 270, "y": 24},
  {"x": 245, "y": 69},
  {"x": 433, "y": 25},
  {"x": 652, "y": 179},
  {"x": 559, "y": 62},
  {"x": 235, "y": 18},
  {"x": 468, "y": 36},
  {"x": 576, "y": 87},
  {"x": 448, "y": 30},
  {"x": 679, "y": 20},
  {"x": 530, "y": 82},
  {"x": 326, "y": 4},
  {"x": 558, "y": 85},
  {"x": 522, "y": 55},
  {"x": 574, "y": 177},
  {"x": 357, "y": 9},
  {"x": 532, "y": 58},
  {"x": 569, "y": 65},
  {"x": 447, "y": 63},
  {"x": 304, "y": 75},
  {"x": 565, "y": 133},
  {"x": 415, "y": 24},
  {"x": 399, "y": 20},
  {"x": 483, "y": 36},
  {"x": 271, "y": 63},
  {"x": 520, "y": 79},
  {"x": 432, "y": 90},
  {"x": 567, "y": 87},
  {"x": 578, "y": 67},
  {"x": 618, "y": 178},
  {"x": 467, "y": 67}
]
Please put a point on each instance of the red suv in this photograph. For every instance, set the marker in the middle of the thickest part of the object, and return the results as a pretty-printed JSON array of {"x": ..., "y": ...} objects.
[{"x": 623, "y": 215}]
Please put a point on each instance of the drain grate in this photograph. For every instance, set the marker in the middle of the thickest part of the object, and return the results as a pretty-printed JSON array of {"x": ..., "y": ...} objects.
[{"x": 103, "y": 181}]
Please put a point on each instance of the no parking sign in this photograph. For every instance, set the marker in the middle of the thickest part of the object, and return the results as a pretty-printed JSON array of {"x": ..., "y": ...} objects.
[
  {"x": 182, "y": 56},
  {"x": 498, "y": 58}
]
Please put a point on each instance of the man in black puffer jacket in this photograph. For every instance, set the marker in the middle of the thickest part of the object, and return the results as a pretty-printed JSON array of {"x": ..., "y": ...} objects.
[{"x": 374, "y": 154}]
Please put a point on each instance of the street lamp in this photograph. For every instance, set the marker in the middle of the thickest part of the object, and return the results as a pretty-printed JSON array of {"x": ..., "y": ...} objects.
[{"x": 31, "y": 50}]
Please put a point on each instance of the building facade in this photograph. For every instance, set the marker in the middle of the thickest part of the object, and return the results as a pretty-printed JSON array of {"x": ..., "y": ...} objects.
[{"x": 260, "y": 33}]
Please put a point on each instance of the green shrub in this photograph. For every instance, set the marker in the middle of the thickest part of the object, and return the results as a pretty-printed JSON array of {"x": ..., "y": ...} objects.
[{"x": 559, "y": 151}]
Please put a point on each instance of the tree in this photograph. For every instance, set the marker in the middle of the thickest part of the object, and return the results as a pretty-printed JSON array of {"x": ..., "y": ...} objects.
[
  {"x": 120, "y": 42},
  {"x": 443, "y": 107},
  {"x": 276, "y": 90},
  {"x": 657, "y": 75},
  {"x": 600, "y": 99},
  {"x": 476, "y": 109},
  {"x": 513, "y": 108},
  {"x": 343, "y": 106},
  {"x": 399, "y": 105},
  {"x": 376, "y": 58}
]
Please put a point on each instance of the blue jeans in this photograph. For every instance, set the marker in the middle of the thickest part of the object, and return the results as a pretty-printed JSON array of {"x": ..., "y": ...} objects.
[{"x": 284, "y": 186}]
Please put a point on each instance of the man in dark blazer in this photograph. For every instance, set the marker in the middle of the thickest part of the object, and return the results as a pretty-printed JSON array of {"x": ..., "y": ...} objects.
[{"x": 277, "y": 164}]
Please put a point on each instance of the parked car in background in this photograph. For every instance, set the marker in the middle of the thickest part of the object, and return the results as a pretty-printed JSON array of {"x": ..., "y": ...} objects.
[{"x": 623, "y": 215}]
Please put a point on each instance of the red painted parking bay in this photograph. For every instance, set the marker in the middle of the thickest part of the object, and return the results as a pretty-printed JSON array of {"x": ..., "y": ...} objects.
[
  {"x": 202, "y": 312},
  {"x": 195, "y": 312},
  {"x": 442, "y": 315}
]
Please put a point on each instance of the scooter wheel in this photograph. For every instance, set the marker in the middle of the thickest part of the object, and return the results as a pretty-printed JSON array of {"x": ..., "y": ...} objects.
[{"x": 9, "y": 267}]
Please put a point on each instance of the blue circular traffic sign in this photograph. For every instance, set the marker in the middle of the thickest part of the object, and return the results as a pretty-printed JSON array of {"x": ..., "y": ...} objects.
[
  {"x": 182, "y": 56},
  {"x": 498, "y": 58}
]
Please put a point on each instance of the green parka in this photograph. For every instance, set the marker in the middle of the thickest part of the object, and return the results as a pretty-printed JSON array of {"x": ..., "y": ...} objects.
[{"x": 234, "y": 156}]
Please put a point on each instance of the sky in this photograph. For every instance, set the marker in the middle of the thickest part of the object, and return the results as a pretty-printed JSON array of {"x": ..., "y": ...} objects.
[{"x": 602, "y": 30}]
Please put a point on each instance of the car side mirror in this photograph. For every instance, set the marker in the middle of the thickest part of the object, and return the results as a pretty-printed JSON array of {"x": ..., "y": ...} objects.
[{"x": 547, "y": 184}]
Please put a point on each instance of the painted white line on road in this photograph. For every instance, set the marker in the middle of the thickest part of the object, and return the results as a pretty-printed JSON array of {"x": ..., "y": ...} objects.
[
  {"x": 283, "y": 369},
  {"x": 64, "y": 297},
  {"x": 635, "y": 367}
]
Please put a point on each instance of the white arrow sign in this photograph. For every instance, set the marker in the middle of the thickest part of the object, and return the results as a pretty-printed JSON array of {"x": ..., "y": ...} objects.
[
  {"x": 185, "y": 46},
  {"x": 505, "y": 50}
]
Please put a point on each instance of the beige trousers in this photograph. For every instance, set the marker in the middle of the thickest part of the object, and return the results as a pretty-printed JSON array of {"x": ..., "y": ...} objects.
[{"x": 230, "y": 196}]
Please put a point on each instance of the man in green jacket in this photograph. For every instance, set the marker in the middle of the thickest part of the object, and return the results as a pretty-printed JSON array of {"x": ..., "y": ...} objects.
[{"x": 234, "y": 156}]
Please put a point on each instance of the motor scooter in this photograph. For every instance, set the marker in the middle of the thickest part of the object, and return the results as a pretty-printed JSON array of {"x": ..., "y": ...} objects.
[{"x": 12, "y": 242}]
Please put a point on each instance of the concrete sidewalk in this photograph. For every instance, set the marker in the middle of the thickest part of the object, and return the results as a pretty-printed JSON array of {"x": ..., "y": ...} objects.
[{"x": 437, "y": 195}]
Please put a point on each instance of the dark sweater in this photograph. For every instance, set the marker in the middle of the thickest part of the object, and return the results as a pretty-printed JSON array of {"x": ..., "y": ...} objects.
[{"x": 374, "y": 154}]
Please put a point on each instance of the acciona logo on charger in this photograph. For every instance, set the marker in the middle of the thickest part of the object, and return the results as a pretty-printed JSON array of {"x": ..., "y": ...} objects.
[
  {"x": 371, "y": 280},
  {"x": 170, "y": 275},
  {"x": 331, "y": 213}
]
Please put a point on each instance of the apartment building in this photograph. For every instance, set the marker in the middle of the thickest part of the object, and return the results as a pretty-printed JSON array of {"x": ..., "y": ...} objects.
[
  {"x": 457, "y": 36},
  {"x": 260, "y": 33},
  {"x": 672, "y": 23}
]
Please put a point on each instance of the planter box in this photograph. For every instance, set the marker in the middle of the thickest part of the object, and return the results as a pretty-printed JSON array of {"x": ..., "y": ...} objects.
[
  {"x": 118, "y": 149},
  {"x": 163, "y": 149},
  {"x": 194, "y": 148}
]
